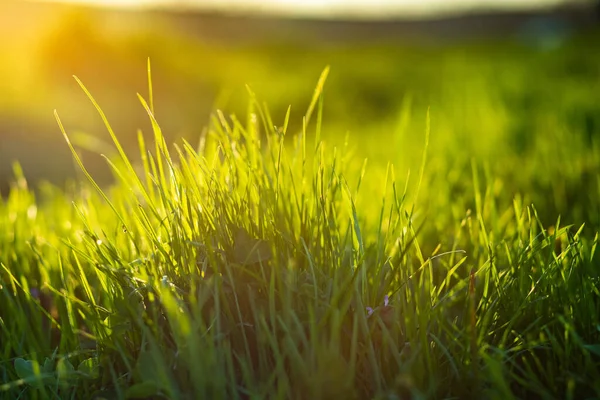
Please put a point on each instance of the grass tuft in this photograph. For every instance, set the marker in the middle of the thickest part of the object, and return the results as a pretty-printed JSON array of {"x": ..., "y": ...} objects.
[{"x": 260, "y": 264}]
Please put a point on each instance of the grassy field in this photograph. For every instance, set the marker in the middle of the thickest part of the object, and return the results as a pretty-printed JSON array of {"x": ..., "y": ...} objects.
[{"x": 428, "y": 236}]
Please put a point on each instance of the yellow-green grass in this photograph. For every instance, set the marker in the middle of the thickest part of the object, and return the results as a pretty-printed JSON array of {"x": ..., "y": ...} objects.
[{"x": 247, "y": 265}]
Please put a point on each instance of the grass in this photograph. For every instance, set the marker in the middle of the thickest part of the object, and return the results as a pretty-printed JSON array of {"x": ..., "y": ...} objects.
[{"x": 264, "y": 262}]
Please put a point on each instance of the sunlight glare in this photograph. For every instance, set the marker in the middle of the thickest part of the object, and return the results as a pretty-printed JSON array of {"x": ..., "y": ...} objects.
[{"x": 325, "y": 7}]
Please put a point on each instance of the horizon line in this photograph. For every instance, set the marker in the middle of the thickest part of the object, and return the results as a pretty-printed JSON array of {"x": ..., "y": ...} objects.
[{"x": 283, "y": 11}]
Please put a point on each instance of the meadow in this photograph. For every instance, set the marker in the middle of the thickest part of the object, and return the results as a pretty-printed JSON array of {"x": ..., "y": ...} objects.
[{"x": 415, "y": 222}]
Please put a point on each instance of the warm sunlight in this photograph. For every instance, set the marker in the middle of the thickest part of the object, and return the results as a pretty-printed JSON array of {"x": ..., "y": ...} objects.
[
  {"x": 299, "y": 199},
  {"x": 328, "y": 7}
]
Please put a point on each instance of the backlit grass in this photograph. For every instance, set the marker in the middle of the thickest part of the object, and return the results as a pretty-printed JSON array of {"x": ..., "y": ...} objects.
[{"x": 268, "y": 263}]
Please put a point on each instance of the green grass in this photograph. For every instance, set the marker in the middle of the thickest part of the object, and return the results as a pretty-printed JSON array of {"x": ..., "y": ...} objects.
[{"x": 243, "y": 266}]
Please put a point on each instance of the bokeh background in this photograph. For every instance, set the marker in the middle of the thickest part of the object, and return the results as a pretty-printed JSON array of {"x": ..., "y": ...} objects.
[{"x": 505, "y": 82}]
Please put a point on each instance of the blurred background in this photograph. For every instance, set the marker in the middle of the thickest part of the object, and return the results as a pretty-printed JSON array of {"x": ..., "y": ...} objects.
[{"x": 504, "y": 79}]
